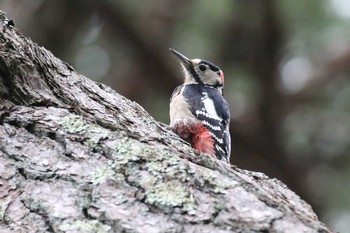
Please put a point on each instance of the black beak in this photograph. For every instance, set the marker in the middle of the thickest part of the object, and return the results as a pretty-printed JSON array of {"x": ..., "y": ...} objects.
[{"x": 187, "y": 62}]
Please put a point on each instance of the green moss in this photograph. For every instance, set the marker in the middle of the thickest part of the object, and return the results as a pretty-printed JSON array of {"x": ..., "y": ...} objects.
[
  {"x": 156, "y": 167},
  {"x": 127, "y": 151},
  {"x": 108, "y": 172},
  {"x": 74, "y": 124},
  {"x": 93, "y": 133},
  {"x": 211, "y": 181},
  {"x": 96, "y": 133},
  {"x": 147, "y": 181},
  {"x": 93, "y": 145},
  {"x": 86, "y": 226},
  {"x": 160, "y": 166},
  {"x": 170, "y": 194}
]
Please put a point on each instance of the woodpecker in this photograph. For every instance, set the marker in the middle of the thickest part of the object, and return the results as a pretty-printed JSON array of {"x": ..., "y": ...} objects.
[{"x": 199, "y": 114}]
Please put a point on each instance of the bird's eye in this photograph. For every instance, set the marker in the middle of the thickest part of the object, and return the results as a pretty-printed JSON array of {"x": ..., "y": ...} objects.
[{"x": 202, "y": 67}]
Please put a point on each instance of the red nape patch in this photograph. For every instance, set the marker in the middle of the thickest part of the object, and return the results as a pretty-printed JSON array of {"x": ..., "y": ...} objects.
[
  {"x": 202, "y": 141},
  {"x": 222, "y": 76}
]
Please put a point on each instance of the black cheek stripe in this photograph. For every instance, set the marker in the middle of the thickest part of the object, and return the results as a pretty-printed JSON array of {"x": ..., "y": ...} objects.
[{"x": 195, "y": 75}]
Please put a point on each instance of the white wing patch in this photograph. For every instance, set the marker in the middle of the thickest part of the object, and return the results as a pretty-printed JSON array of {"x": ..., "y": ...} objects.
[
  {"x": 209, "y": 108},
  {"x": 213, "y": 127}
]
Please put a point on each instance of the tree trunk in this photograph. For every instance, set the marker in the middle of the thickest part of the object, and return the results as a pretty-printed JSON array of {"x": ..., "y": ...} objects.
[{"x": 77, "y": 157}]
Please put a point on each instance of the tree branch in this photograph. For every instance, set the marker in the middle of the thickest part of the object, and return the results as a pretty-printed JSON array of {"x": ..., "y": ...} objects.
[{"x": 77, "y": 157}]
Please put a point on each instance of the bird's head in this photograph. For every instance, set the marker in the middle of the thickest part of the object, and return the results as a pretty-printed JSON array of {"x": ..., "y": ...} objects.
[{"x": 201, "y": 72}]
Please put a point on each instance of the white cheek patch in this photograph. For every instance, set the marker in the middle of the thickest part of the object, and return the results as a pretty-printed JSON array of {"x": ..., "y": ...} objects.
[{"x": 211, "y": 77}]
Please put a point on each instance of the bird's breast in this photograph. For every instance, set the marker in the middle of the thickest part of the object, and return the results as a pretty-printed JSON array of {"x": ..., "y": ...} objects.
[{"x": 180, "y": 109}]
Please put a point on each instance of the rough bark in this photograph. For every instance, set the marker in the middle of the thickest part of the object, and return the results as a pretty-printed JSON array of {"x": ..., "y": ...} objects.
[{"x": 77, "y": 157}]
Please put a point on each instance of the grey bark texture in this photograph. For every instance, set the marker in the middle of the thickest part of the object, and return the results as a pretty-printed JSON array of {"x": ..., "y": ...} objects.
[{"x": 75, "y": 156}]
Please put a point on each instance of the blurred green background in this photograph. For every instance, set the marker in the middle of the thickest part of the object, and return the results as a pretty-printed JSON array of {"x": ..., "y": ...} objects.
[{"x": 286, "y": 65}]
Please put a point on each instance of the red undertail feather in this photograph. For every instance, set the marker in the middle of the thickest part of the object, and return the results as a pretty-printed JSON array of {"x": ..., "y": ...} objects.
[
  {"x": 198, "y": 135},
  {"x": 203, "y": 141}
]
